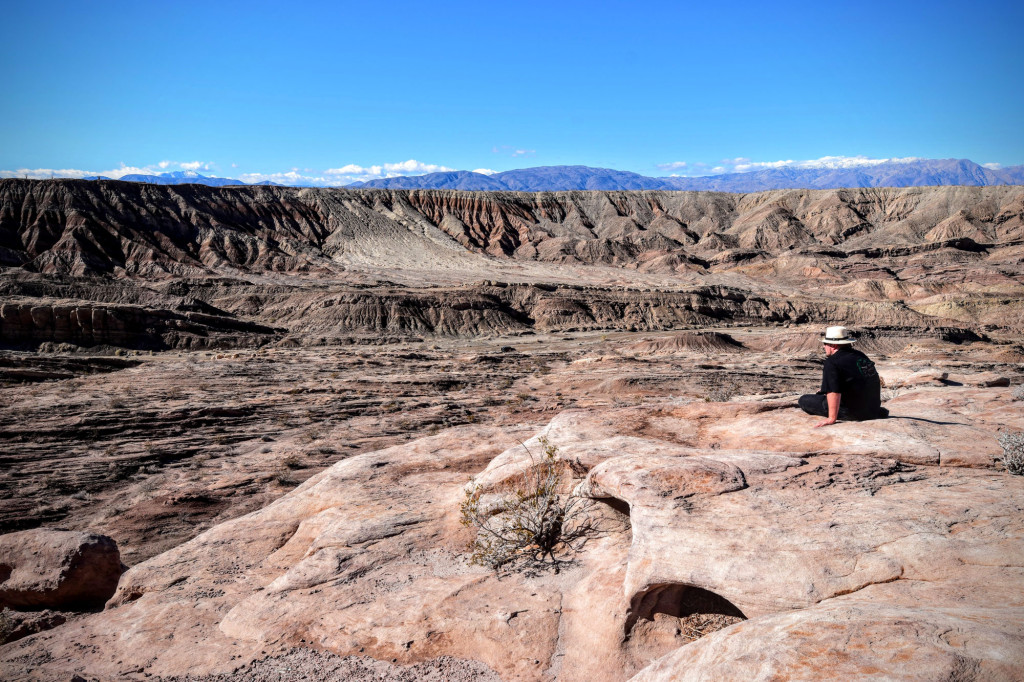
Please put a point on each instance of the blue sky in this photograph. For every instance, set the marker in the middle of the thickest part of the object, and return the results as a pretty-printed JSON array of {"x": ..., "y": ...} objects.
[{"x": 341, "y": 91}]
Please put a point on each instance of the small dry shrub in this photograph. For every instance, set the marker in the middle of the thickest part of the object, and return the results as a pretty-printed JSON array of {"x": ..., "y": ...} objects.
[
  {"x": 59, "y": 483},
  {"x": 293, "y": 462},
  {"x": 888, "y": 394},
  {"x": 119, "y": 471},
  {"x": 535, "y": 525},
  {"x": 719, "y": 390},
  {"x": 718, "y": 395},
  {"x": 7, "y": 626},
  {"x": 1013, "y": 452},
  {"x": 283, "y": 476}
]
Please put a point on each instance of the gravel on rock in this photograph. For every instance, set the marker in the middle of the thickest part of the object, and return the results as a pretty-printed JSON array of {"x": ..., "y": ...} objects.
[{"x": 321, "y": 666}]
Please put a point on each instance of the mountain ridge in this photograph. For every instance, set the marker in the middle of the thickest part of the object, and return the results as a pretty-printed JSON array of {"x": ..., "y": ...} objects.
[
  {"x": 917, "y": 173},
  {"x": 178, "y": 178}
]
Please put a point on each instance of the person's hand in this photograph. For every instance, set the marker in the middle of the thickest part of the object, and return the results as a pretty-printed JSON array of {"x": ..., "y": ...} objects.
[{"x": 825, "y": 422}]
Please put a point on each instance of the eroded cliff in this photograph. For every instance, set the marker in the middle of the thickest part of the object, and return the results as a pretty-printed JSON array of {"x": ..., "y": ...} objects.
[{"x": 250, "y": 265}]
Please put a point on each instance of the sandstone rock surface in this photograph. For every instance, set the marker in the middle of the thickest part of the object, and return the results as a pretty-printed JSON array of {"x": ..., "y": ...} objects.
[
  {"x": 842, "y": 550},
  {"x": 63, "y": 570}
]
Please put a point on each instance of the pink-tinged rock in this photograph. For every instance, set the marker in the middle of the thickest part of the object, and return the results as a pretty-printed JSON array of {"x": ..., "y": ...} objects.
[
  {"x": 935, "y": 426},
  {"x": 987, "y": 379},
  {"x": 24, "y": 623},
  {"x": 53, "y": 569},
  {"x": 927, "y": 377},
  {"x": 846, "y": 561},
  {"x": 662, "y": 481},
  {"x": 853, "y": 640}
]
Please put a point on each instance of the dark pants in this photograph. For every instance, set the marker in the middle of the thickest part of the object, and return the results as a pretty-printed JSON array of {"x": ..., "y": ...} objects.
[{"x": 817, "y": 404}]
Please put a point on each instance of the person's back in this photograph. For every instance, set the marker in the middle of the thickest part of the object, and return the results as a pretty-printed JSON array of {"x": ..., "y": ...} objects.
[
  {"x": 852, "y": 374},
  {"x": 850, "y": 387}
]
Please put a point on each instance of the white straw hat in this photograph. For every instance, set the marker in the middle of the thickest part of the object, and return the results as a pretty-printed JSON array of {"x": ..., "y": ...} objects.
[{"x": 838, "y": 336}]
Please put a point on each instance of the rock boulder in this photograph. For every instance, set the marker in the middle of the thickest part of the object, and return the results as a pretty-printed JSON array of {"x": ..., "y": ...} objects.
[{"x": 54, "y": 569}]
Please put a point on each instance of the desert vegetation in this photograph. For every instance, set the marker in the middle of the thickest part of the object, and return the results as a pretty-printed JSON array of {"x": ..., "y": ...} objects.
[
  {"x": 1013, "y": 452},
  {"x": 539, "y": 523}
]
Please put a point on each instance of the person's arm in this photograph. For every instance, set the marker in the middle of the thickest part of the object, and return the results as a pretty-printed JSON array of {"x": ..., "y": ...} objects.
[{"x": 833, "y": 409}]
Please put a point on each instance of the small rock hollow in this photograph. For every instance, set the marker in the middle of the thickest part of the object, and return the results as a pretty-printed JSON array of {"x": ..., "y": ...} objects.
[
  {"x": 615, "y": 503},
  {"x": 677, "y": 600}
]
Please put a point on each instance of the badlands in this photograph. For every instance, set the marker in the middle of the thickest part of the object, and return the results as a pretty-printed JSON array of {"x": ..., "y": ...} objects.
[{"x": 238, "y": 424}]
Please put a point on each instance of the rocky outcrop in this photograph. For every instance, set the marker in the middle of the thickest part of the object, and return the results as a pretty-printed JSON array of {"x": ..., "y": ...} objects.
[
  {"x": 344, "y": 313},
  {"x": 52, "y": 569},
  {"x": 187, "y": 266},
  {"x": 96, "y": 227},
  {"x": 802, "y": 544},
  {"x": 17, "y": 624},
  {"x": 82, "y": 323}
]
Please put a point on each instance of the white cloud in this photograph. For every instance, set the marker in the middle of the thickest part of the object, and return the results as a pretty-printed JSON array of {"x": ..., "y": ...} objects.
[
  {"x": 852, "y": 161},
  {"x": 115, "y": 173},
  {"x": 742, "y": 164},
  {"x": 350, "y": 169},
  {"x": 345, "y": 175},
  {"x": 386, "y": 170},
  {"x": 485, "y": 171},
  {"x": 185, "y": 165},
  {"x": 329, "y": 178},
  {"x": 993, "y": 165},
  {"x": 747, "y": 165},
  {"x": 288, "y": 178},
  {"x": 512, "y": 151},
  {"x": 46, "y": 173}
]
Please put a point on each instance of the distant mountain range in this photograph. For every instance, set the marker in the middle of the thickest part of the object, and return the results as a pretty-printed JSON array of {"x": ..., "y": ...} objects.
[
  {"x": 180, "y": 178},
  {"x": 923, "y": 172}
]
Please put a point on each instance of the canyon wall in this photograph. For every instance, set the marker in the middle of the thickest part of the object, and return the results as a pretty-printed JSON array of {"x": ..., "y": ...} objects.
[{"x": 253, "y": 264}]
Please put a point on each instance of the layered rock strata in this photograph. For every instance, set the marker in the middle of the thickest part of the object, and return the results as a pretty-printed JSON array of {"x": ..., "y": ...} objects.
[
  {"x": 82, "y": 323},
  {"x": 325, "y": 264}
]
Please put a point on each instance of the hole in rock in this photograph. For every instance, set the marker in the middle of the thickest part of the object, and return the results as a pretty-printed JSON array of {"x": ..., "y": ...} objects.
[
  {"x": 688, "y": 611},
  {"x": 615, "y": 503}
]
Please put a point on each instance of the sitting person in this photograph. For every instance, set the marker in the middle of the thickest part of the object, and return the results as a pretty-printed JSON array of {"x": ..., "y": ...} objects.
[{"x": 850, "y": 388}]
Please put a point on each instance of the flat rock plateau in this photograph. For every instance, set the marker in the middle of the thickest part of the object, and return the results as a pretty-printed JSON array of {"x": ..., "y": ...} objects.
[{"x": 272, "y": 400}]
